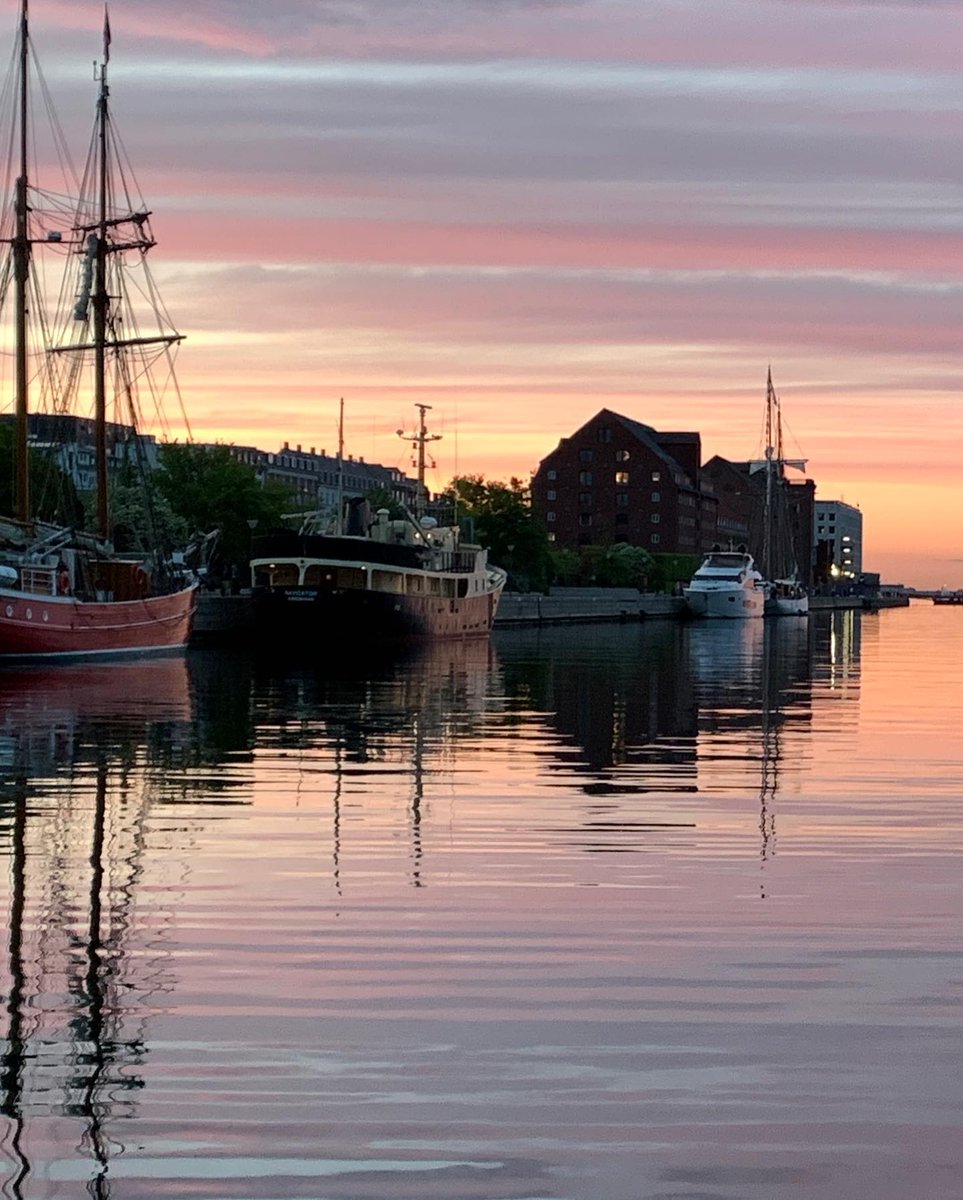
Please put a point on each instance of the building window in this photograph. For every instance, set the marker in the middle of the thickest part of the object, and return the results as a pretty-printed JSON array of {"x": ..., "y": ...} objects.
[
  {"x": 622, "y": 455},
  {"x": 655, "y": 518},
  {"x": 656, "y": 476},
  {"x": 621, "y": 478},
  {"x": 553, "y": 474},
  {"x": 655, "y": 539},
  {"x": 550, "y": 517},
  {"x": 656, "y": 497},
  {"x": 622, "y": 499},
  {"x": 585, "y": 518},
  {"x": 605, "y": 434},
  {"x": 585, "y": 499},
  {"x": 585, "y": 455},
  {"x": 550, "y": 494},
  {"x": 551, "y": 537},
  {"x": 585, "y": 477}
]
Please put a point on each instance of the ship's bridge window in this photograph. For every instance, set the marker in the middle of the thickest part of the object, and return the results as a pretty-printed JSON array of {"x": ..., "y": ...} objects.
[
  {"x": 462, "y": 587},
  {"x": 315, "y": 575},
  {"x": 283, "y": 574},
  {"x": 387, "y": 581},
  {"x": 350, "y": 577}
]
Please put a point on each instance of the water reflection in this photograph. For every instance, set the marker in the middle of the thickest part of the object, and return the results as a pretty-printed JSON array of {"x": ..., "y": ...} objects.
[
  {"x": 91, "y": 753},
  {"x": 401, "y": 836},
  {"x": 392, "y": 722}
]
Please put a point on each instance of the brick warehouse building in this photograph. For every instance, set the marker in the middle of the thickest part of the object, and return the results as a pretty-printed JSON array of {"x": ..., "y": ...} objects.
[{"x": 617, "y": 480}]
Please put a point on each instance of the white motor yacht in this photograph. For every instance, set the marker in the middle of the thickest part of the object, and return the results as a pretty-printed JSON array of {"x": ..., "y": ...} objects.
[{"x": 727, "y": 585}]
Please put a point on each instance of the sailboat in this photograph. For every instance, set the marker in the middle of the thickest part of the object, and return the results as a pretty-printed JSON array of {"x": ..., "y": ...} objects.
[
  {"x": 65, "y": 591},
  {"x": 786, "y": 595}
]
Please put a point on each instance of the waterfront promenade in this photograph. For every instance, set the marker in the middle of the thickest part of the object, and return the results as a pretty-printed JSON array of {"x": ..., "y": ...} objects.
[{"x": 224, "y": 616}]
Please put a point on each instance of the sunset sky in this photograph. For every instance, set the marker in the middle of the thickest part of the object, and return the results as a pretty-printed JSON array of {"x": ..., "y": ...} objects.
[{"x": 521, "y": 212}]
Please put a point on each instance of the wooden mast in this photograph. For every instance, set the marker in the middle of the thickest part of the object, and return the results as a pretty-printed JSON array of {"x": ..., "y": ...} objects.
[
  {"x": 100, "y": 299},
  {"x": 21, "y": 274}
]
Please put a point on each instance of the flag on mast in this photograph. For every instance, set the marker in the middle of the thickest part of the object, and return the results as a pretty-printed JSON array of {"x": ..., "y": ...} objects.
[{"x": 106, "y": 35}]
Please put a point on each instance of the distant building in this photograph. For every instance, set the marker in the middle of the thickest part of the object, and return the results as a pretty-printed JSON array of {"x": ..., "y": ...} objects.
[
  {"x": 314, "y": 477},
  {"x": 70, "y": 443},
  {"x": 741, "y": 494},
  {"x": 837, "y": 541},
  {"x": 617, "y": 480}
]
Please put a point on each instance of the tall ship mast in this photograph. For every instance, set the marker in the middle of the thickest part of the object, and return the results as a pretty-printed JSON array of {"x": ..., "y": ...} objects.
[
  {"x": 786, "y": 594},
  {"x": 65, "y": 589}
]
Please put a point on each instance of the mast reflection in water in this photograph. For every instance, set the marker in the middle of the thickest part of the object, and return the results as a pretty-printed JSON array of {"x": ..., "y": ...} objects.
[
  {"x": 484, "y": 922},
  {"x": 92, "y": 754}
]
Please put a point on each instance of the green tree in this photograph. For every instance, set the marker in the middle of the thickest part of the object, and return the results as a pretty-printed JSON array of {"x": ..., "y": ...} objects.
[
  {"x": 141, "y": 517},
  {"x": 566, "y": 566},
  {"x": 210, "y": 490},
  {"x": 53, "y": 496},
  {"x": 503, "y": 522},
  {"x": 623, "y": 565},
  {"x": 670, "y": 571}
]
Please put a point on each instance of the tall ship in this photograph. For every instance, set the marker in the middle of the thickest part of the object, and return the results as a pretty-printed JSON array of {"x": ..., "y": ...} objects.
[
  {"x": 786, "y": 594},
  {"x": 374, "y": 576},
  {"x": 728, "y": 586},
  {"x": 66, "y": 590}
]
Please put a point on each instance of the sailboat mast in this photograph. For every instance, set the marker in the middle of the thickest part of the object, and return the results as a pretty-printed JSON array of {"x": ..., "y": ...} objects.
[
  {"x": 339, "y": 526},
  {"x": 768, "y": 516},
  {"x": 21, "y": 273},
  {"x": 100, "y": 298}
]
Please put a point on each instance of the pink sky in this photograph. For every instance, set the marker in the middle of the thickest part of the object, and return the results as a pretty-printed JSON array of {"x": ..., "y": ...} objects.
[{"x": 522, "y": 212}]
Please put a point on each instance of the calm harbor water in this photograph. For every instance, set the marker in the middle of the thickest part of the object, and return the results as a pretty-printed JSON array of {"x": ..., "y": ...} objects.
[{"x": 650, "y": 911}]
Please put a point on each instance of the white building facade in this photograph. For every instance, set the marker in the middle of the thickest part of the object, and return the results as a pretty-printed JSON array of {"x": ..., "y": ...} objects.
[{"x": 838, "y": 539}]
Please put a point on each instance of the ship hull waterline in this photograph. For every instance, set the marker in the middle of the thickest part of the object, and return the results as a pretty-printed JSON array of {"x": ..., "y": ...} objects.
[
  {"x": 735, "y": 604},
  {"x": 342, "y": 619},
  {"x": 38, "y": 627}
]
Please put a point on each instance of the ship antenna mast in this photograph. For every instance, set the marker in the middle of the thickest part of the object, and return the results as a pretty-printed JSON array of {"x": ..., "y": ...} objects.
[{"x": 419, "y": 440}]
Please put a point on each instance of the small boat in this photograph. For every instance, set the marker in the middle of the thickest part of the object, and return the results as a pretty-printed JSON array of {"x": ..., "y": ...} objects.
[
  {"x": 376, "y": 577},
  {"x": 786, "y": 596},
  {"x": 64, "y": 591},
  {"x": 727, "y": 585},
  {"x": 945, "y": 597}
]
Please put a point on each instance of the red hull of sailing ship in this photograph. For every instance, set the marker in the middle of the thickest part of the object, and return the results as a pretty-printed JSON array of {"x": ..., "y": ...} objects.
[{"x": 34, "y": 626}]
